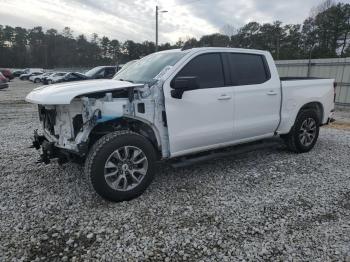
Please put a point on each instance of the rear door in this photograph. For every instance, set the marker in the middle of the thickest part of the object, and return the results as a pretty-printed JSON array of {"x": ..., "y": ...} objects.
[
  {"x": 257, "y": 96},
  {"x": 203, "y": 118}
]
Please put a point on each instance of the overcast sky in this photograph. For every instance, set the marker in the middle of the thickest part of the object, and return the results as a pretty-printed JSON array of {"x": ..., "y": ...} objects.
[{"x": 135, "y": 19}]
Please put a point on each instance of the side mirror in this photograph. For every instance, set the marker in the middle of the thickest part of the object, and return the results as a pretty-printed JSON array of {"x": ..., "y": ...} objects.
[{"x": 182, "y": 84}]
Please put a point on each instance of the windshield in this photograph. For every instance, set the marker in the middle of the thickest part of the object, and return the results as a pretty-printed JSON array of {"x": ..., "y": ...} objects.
[
  {"x": 146, "y": 69},
  {"x": 92, "y": 72},
  {"x": 128, "y": 64}
]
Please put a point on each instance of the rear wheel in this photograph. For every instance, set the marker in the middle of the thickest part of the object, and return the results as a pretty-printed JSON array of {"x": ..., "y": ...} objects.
[
  {"x": 120, "y": 165},
  {"x": 36, "y": 80},
  {"x": 304, "y": 134}
]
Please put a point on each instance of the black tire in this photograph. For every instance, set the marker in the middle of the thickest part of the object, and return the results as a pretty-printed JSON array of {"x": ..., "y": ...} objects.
[
  {"x": 100, "y": 154},
  {"x": 293, "y": 139},
  {"x": 37, "y": 80}
]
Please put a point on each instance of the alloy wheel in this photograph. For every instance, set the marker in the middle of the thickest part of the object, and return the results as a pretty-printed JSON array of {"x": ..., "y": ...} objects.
[
  {"x": 125, "y": 168},
  {"x": 307, "y": 132}
]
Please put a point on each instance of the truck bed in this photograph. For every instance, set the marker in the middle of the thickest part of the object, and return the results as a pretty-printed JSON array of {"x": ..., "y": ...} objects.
[{"x": 299, "y": 91}]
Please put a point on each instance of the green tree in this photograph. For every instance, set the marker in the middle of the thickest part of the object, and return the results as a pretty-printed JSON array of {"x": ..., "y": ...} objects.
[{"x": 215, "y": 40}]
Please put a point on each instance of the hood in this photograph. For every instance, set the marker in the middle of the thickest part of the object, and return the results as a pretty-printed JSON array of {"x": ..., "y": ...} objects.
[{"x": 63, "y": 94}]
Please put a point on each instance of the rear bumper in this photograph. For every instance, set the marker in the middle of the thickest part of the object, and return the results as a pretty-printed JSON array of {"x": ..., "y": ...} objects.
[{"x": 330, "y": 118}]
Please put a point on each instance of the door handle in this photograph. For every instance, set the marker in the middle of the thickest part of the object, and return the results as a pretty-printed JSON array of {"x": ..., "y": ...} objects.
[
  {"x": 271, "y": 93},
  {"x": 224, "y": 97}
]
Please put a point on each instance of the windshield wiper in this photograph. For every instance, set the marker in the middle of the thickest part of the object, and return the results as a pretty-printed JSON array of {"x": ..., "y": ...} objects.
[{"x": 124, "y": 80}]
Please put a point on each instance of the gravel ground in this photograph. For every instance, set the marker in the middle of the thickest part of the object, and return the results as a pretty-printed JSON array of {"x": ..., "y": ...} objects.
[{"x": 264, "y": 205}]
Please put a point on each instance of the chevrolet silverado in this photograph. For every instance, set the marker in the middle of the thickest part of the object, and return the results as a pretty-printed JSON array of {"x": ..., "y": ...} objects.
[{"x": 176, "y": 105}]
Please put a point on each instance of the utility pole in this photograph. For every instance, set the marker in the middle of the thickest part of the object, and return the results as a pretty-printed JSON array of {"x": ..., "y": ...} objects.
[
  {"x": 157, "y": 28},
  {"x": 157, "y": 13}
]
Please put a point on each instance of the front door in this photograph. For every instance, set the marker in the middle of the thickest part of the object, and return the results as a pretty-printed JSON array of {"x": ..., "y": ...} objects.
[{"x": 203, "y": 118}]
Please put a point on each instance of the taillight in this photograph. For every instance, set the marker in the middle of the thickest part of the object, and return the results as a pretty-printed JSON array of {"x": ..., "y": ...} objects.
[
  {"x": 2, "y": 77},
  {"x": 335, "y": 90}
]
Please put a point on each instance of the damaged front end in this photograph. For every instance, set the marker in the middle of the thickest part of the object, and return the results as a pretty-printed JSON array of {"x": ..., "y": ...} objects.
[{"x": 69, "y": 130}]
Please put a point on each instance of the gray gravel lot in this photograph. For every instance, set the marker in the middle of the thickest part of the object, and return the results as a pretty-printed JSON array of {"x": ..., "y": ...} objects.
[{"x": 264, "y": 205}]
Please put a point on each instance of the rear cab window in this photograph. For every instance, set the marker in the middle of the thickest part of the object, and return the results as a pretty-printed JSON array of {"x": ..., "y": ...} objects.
[{"x": 248, "y": 69}]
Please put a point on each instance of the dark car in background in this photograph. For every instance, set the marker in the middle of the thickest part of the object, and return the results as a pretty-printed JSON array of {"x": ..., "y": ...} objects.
[
  {"x": 7, "y": 73},
  {"x": 102, "y": 72},
  {"x": 18, "y": 72},
  {"x": 3, "y": 81},
  {"x": 70, "y": 77}
]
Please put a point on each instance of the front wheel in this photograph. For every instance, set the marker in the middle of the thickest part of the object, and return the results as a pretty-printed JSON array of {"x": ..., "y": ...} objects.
[
  {"x": 120, "y": 166},
  {"x": 304, "y": 134}
]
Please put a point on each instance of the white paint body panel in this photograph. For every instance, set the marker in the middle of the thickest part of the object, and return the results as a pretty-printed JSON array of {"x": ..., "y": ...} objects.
[
  {"x": 209, "y": 124},
  {"x": 257, "y": 107},
  {"x": 297, "y": 93},
  {"x": 63, "y": 94}
]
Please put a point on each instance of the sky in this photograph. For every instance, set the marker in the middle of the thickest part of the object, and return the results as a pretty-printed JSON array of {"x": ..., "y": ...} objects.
[{"x": 135, "y": 19}]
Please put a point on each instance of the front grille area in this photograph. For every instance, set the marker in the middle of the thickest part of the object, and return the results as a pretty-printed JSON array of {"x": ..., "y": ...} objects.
[{"x": 48, "y": 118}]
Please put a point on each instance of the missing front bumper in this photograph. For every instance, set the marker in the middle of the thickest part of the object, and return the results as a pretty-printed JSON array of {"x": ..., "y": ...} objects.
[{"x": 49, "y": 151}]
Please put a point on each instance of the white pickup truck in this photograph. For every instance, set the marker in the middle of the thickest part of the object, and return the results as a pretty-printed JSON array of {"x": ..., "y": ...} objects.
[{"x": 176, "y": 105}]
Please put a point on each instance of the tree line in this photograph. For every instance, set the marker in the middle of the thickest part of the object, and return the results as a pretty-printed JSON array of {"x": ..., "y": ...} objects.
[{"x": 325, "y": 34}]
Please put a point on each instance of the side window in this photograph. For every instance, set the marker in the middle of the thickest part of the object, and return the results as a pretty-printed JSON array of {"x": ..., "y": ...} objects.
[
  {"x": 73, "y": 77},
  {"x": 207, "y": 68},
  {"x": 101, "y": 73},
  {"x": 110, "y": 72},
  {"x": 248, "y": 69}
]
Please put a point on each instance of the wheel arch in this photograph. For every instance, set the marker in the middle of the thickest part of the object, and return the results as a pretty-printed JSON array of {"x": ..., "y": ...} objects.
[
  {"x": 316, "y": 106},
  {"x": 137, "y": 125}
]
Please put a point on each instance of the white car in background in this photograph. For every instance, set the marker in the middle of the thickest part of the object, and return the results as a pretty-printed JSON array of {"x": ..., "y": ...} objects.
[
  {"x": 38, "y": 78},
  {"x": 28, "y": 72},
  {"x": 55, "y": 77}
]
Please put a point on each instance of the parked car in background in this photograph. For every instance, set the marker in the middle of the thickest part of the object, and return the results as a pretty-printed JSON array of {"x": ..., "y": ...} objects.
[
  {"x": 7, "y": 73},
  {"x": 27, "y": 76},
  {"x": 29, "y": 72},
  {"x": 102, "y": 72},
  {"x": 38, "y": 78},
  {"x": 70, "y": 77},
  {"x": 3, "y": 81},
  {"x": 53, "y": 78},
  {"x": 18, "y": 72}
]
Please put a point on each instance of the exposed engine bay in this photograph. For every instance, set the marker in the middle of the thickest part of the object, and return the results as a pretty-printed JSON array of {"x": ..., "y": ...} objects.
[{"x": 73, "y": 127}]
